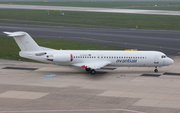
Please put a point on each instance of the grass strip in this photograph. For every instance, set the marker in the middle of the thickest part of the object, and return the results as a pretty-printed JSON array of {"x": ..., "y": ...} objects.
[
  {"x": 36, "y": 23},
  {"x": 143, "y": 21}
]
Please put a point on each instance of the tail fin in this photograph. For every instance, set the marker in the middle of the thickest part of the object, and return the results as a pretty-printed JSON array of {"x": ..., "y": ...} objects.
[{"x": 24, "y": 41}]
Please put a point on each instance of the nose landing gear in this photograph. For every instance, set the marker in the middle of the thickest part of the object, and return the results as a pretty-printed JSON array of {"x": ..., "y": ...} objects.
[{"x": 156, "y": 70}]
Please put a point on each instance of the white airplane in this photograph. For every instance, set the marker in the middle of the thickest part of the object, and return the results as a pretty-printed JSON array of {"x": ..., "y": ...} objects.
[{"x": 90, "y": 60}]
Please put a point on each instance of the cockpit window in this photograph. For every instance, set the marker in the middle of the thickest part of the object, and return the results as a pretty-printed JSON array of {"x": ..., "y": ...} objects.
[{"x": 163, "y": 56}]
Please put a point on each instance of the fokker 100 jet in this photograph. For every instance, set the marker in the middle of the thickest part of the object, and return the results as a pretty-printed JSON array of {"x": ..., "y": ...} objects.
[{"x": 90, "y": 60}]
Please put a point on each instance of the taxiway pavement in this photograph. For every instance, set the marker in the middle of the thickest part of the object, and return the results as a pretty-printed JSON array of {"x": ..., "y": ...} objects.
[
  {"x": 25, "y": 89},
  {"x": 166, "y": 41},
  {"x": 89, "y": 9}
]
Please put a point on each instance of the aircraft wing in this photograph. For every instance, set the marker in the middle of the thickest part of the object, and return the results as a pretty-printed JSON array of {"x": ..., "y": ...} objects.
[{"x": 92, "y": 65}]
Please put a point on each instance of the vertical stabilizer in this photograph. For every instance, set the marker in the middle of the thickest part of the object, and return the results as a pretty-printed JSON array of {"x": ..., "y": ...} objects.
[{"x": 24, "y": 41}]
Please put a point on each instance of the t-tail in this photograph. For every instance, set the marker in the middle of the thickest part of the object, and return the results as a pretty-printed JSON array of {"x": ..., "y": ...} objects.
[{"x": 24, "y": 41}]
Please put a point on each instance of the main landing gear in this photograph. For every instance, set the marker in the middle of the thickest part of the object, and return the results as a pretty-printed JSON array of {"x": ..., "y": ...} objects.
[
  {"x": 88, "y": 69},
  {"x": 92, "y": 71},
  {"x": 156, "y": 70}
]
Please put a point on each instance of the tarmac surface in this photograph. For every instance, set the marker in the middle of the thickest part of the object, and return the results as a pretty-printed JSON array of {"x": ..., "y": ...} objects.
[
  {"x": 89, "y": 9},
  {"x": 25, "y": 88},
  {"x": 166, "y": 41}
]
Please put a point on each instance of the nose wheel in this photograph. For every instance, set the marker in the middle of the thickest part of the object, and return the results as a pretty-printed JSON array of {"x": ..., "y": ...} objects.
[{"x": 156, "y": 70}]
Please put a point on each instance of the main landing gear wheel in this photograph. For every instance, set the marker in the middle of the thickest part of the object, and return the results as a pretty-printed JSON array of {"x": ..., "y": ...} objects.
[
  {"x": 88, "y": 69},
  {"x": 156, "y": 70},
  {"x": 93, "y": 72}
]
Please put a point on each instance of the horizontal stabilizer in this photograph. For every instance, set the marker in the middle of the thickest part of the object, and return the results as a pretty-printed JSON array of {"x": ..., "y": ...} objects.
[{"x": 15, "y": 34}]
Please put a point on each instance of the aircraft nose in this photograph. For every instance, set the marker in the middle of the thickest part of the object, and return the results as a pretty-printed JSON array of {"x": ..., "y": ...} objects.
[{"x": 170, "y": 61}]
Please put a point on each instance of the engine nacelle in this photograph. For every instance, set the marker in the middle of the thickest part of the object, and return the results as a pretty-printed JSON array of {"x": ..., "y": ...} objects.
[{"x": 61, "y": 58}]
